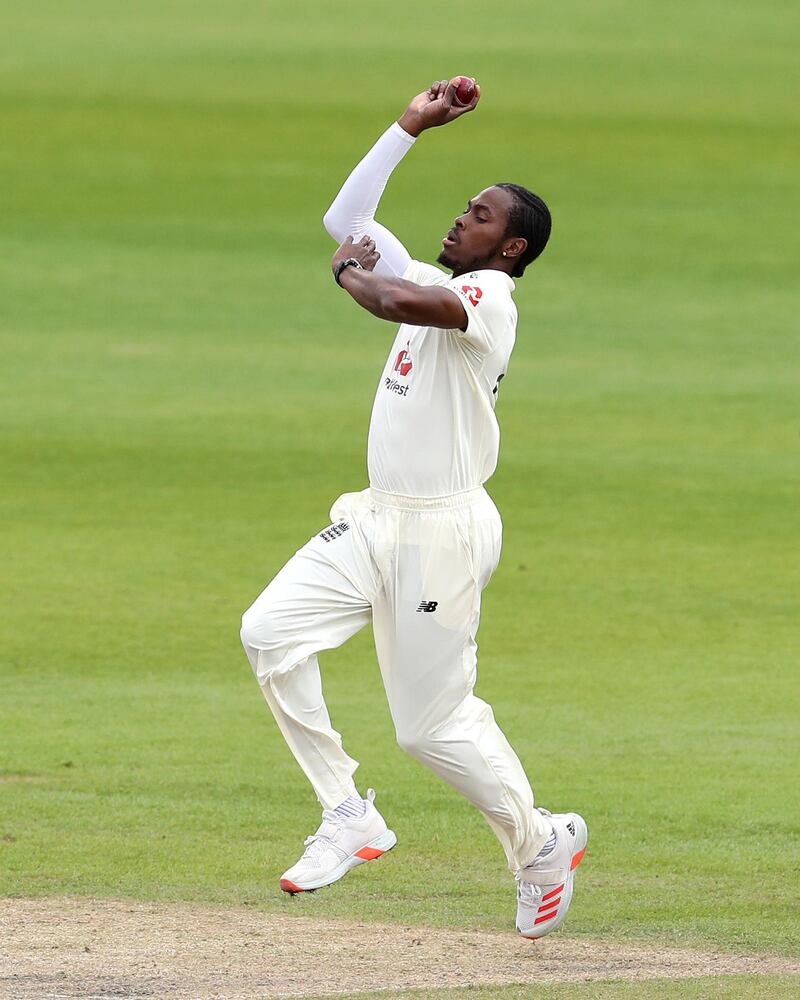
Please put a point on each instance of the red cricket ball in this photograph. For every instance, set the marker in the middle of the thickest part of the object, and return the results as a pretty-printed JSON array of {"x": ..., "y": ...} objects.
[{"x": 465, "y": 91}]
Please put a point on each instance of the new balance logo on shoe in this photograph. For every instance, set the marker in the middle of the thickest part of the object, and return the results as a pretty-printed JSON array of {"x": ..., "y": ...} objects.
[{"x": 428, "y": 606}]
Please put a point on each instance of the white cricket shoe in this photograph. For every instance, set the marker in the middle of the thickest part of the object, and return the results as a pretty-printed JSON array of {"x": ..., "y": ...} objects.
[
  {"x": 544, "y": 888},
  {"x": 341, "y": 843}
]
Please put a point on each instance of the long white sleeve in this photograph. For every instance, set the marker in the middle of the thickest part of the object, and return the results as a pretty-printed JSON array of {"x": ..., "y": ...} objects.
[{"x": 353, "y": 210}]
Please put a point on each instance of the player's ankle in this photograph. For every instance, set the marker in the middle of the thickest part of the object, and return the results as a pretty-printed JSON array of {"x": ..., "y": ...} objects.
[{"x": 353, "y": 807}]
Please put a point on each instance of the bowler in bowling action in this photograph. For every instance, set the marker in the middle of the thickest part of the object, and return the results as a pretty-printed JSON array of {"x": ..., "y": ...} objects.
[{"x": 413, "y": 552}]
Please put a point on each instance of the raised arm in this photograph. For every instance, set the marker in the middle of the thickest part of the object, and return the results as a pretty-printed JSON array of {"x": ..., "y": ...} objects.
[{"x": 353, "y": 210}]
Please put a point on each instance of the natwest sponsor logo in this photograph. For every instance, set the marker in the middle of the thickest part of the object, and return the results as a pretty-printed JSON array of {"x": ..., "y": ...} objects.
[{"x": 394, "y": 386}]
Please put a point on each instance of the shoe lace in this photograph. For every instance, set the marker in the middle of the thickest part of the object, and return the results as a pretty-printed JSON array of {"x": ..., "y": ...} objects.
[
  {"x": 317, "y": 842},
  {"x": 528, "y": 893}
]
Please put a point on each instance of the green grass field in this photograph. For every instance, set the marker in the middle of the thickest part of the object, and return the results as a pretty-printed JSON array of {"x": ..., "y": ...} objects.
[
  {"x": 185, "y": 392},
  {"x": 705, "y": 988}
]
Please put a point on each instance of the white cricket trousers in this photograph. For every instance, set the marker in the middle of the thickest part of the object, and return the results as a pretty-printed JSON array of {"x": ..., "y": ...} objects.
[{"x": 415, "y": 567}]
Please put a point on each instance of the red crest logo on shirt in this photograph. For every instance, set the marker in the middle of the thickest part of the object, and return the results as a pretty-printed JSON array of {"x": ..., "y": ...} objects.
[
  {"x": 473, "y": 293},
  {"x": 402, "y": 363}
]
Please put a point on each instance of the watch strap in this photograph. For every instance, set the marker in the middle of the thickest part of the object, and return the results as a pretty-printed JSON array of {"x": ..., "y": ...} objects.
[{"x": 350, "y": 262}]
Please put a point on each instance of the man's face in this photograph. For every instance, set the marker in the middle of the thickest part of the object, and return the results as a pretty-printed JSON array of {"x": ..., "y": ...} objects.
[{"x": 477, "y": 236}]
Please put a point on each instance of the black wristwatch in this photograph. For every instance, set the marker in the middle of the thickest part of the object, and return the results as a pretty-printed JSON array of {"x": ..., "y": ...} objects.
[{"x": 350, "y": 262}]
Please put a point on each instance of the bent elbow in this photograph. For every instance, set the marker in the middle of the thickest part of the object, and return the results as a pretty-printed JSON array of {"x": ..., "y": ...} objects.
[
  {"x": 329, "y": 222},
  {"x": 335, "y": 225}
]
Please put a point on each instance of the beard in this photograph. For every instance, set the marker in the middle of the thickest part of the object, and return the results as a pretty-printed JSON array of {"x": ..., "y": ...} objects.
[
  {"x": 445, "y": 261},
  {"x": 471, "y": 265},
  {"x": 476, "y": 264}
]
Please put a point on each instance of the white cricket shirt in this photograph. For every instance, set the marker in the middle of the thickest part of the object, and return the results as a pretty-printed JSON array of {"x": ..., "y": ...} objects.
[{"x": 433, "y": 430}]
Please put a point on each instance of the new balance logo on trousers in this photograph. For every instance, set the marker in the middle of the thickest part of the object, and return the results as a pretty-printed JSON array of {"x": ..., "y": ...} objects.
[{"x": 428, "y": 606}]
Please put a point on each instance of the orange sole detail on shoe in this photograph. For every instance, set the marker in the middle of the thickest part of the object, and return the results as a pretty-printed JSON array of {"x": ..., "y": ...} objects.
[
  {"x": 288, "y": 886},
  {"x": 576, "y": 860},
  {"x": 369, "y": 853}
]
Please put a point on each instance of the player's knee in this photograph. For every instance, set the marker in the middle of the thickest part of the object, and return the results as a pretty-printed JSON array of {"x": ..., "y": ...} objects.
[
  {"x": 256, "y": 639},
  {"x": 247, "y": 633},
  {"x": 258, "y": 630}
]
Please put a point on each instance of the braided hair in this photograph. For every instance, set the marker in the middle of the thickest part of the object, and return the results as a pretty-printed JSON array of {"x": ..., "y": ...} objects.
[{"x": 528, "y": 217}]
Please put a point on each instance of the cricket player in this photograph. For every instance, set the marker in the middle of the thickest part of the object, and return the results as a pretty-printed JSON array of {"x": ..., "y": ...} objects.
[{"x": 413, "y": 552}]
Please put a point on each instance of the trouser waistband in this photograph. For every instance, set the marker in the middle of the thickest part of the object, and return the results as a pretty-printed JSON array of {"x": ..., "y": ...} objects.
[{"x": 426, "y": 503}]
